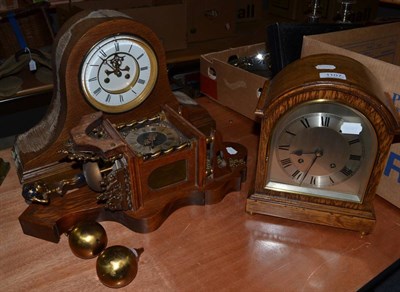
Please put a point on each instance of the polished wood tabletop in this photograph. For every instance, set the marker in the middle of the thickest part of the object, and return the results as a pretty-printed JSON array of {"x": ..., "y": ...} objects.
[{"x": 206, "y": 248}]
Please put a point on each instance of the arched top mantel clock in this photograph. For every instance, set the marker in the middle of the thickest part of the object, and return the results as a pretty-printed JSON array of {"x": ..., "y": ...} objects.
[{"x": 326, "y": 132}]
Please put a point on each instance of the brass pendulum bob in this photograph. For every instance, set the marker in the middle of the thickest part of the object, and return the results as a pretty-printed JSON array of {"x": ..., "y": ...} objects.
[
  {"x": 117, "y": 266},
  {"x": 87, "y": 239}
]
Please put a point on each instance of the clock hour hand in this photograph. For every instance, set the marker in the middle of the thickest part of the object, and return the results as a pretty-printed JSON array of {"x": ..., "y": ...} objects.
[
  {"x": 109, "y": 65},
  {"x": 300, "y": 152}
]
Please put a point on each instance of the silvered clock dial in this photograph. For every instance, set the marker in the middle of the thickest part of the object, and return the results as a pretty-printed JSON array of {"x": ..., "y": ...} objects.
[
  {"x": 118, "y": 73},
  {"x": 322, "y": 149}
]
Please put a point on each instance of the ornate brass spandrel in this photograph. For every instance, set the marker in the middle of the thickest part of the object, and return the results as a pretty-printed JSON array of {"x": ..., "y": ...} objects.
[
  {"x": 83, "y": 156},
  {"x": 117, "y": 195}
]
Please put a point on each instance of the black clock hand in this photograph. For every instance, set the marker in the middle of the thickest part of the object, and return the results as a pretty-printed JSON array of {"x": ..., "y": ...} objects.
[
  {"x": 300, "y": 152},
  {"x": 318, "y": 153},
  {"x": 116, "y": 64},
  {"x": 109, "y": 65}
]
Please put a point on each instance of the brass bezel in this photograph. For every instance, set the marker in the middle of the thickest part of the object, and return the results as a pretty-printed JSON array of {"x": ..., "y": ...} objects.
[{"x": 142, "y": 96}]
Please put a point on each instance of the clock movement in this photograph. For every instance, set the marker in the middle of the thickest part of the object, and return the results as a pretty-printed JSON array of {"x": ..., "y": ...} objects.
[
  {"x": 116, "y": 144},
  {"x": 325, "y": 135}
]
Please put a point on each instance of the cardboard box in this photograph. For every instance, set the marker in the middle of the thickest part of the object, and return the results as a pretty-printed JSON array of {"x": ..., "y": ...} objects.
[
  {"x": 211, "y": 19},
  {"x": 378, "y": 48},
  {"x": 167, "y": 19},
  {"x": 249, "y": 10},
  {"x": 389, "y": 185},
  {"x": 329, "y": 10},
  {"x": 231, "y": 86}
]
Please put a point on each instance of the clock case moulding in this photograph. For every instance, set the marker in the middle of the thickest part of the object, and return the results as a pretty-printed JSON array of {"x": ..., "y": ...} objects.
[
  {"x": 297, "y": 84},
  {"x": 40, "y": 153}
]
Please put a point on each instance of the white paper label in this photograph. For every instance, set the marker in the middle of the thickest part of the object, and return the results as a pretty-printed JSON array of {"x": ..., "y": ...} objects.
[
  {"x": 332, "y": 75},
  {"x": 351, "y": 128},
  {"x": 32, "y": 65},
  {"x": 325, "y": 67},
  {"x": 231, "y": 150}
]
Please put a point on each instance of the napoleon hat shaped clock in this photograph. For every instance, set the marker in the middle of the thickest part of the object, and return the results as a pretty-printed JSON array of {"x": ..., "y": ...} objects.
[
  {"x": 326, "y": 132},
  {"x": 116, "y": 144}
]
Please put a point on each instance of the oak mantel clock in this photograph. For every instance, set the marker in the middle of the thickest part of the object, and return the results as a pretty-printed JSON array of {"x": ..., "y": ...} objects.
[
  {"x": 325, "y": 135},
  {"x": 116, "y": 144}
]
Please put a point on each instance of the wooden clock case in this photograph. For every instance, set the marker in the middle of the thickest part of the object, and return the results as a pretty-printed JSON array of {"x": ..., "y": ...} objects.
[
  {"x": 41, "y": 153},
  {"x": 296, "y": 85}
]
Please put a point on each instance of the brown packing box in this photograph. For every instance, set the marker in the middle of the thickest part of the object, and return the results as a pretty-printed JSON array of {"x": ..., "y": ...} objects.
[
  {"x": 216, "y": 19},
  {"x": 231, "y": 86},
  {"x": 210, "y": 20},
  {"x": 178, "y": 22},
  {"x": 167, "y": 20},
  {"x": 389, "y": 186},
  {"x": 329, "y": 11},
  {"x": 378, "y": 48},
  {"x": 249, "y": 10}
]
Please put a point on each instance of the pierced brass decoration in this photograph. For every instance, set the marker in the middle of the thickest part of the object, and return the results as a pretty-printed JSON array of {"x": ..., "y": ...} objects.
[{"x": 117, "y": 194}]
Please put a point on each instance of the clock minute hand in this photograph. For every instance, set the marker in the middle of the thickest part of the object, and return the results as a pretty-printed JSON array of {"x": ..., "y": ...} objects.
[{"x": 318, "y": 153}]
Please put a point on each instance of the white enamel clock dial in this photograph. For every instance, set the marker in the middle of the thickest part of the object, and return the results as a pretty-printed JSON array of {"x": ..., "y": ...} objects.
[
  {"x": 322, "y": 149},
  {"x": 118, "y": 73}
]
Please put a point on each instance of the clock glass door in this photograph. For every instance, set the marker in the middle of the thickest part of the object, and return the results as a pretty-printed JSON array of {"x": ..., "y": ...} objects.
[
  {"x": 323, "y": 149},
  {"x": 118, "y": 73}
]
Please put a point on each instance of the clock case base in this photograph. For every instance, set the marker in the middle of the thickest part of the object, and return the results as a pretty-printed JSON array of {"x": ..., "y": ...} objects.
[
  {"x": 363, "y": 221},
  {"x": 152, "y": 205},
  {"x": 62, "y": 213},
  {"x": 49, "y": 222}
]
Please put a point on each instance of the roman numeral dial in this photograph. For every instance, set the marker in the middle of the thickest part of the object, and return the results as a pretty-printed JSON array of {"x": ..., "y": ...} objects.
[
  {"x": 315, "y": 150},
  {"x": 118, "y": 73},
  {"x": 321, "y": 149},
  {"x": 153, "y": 138}
]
